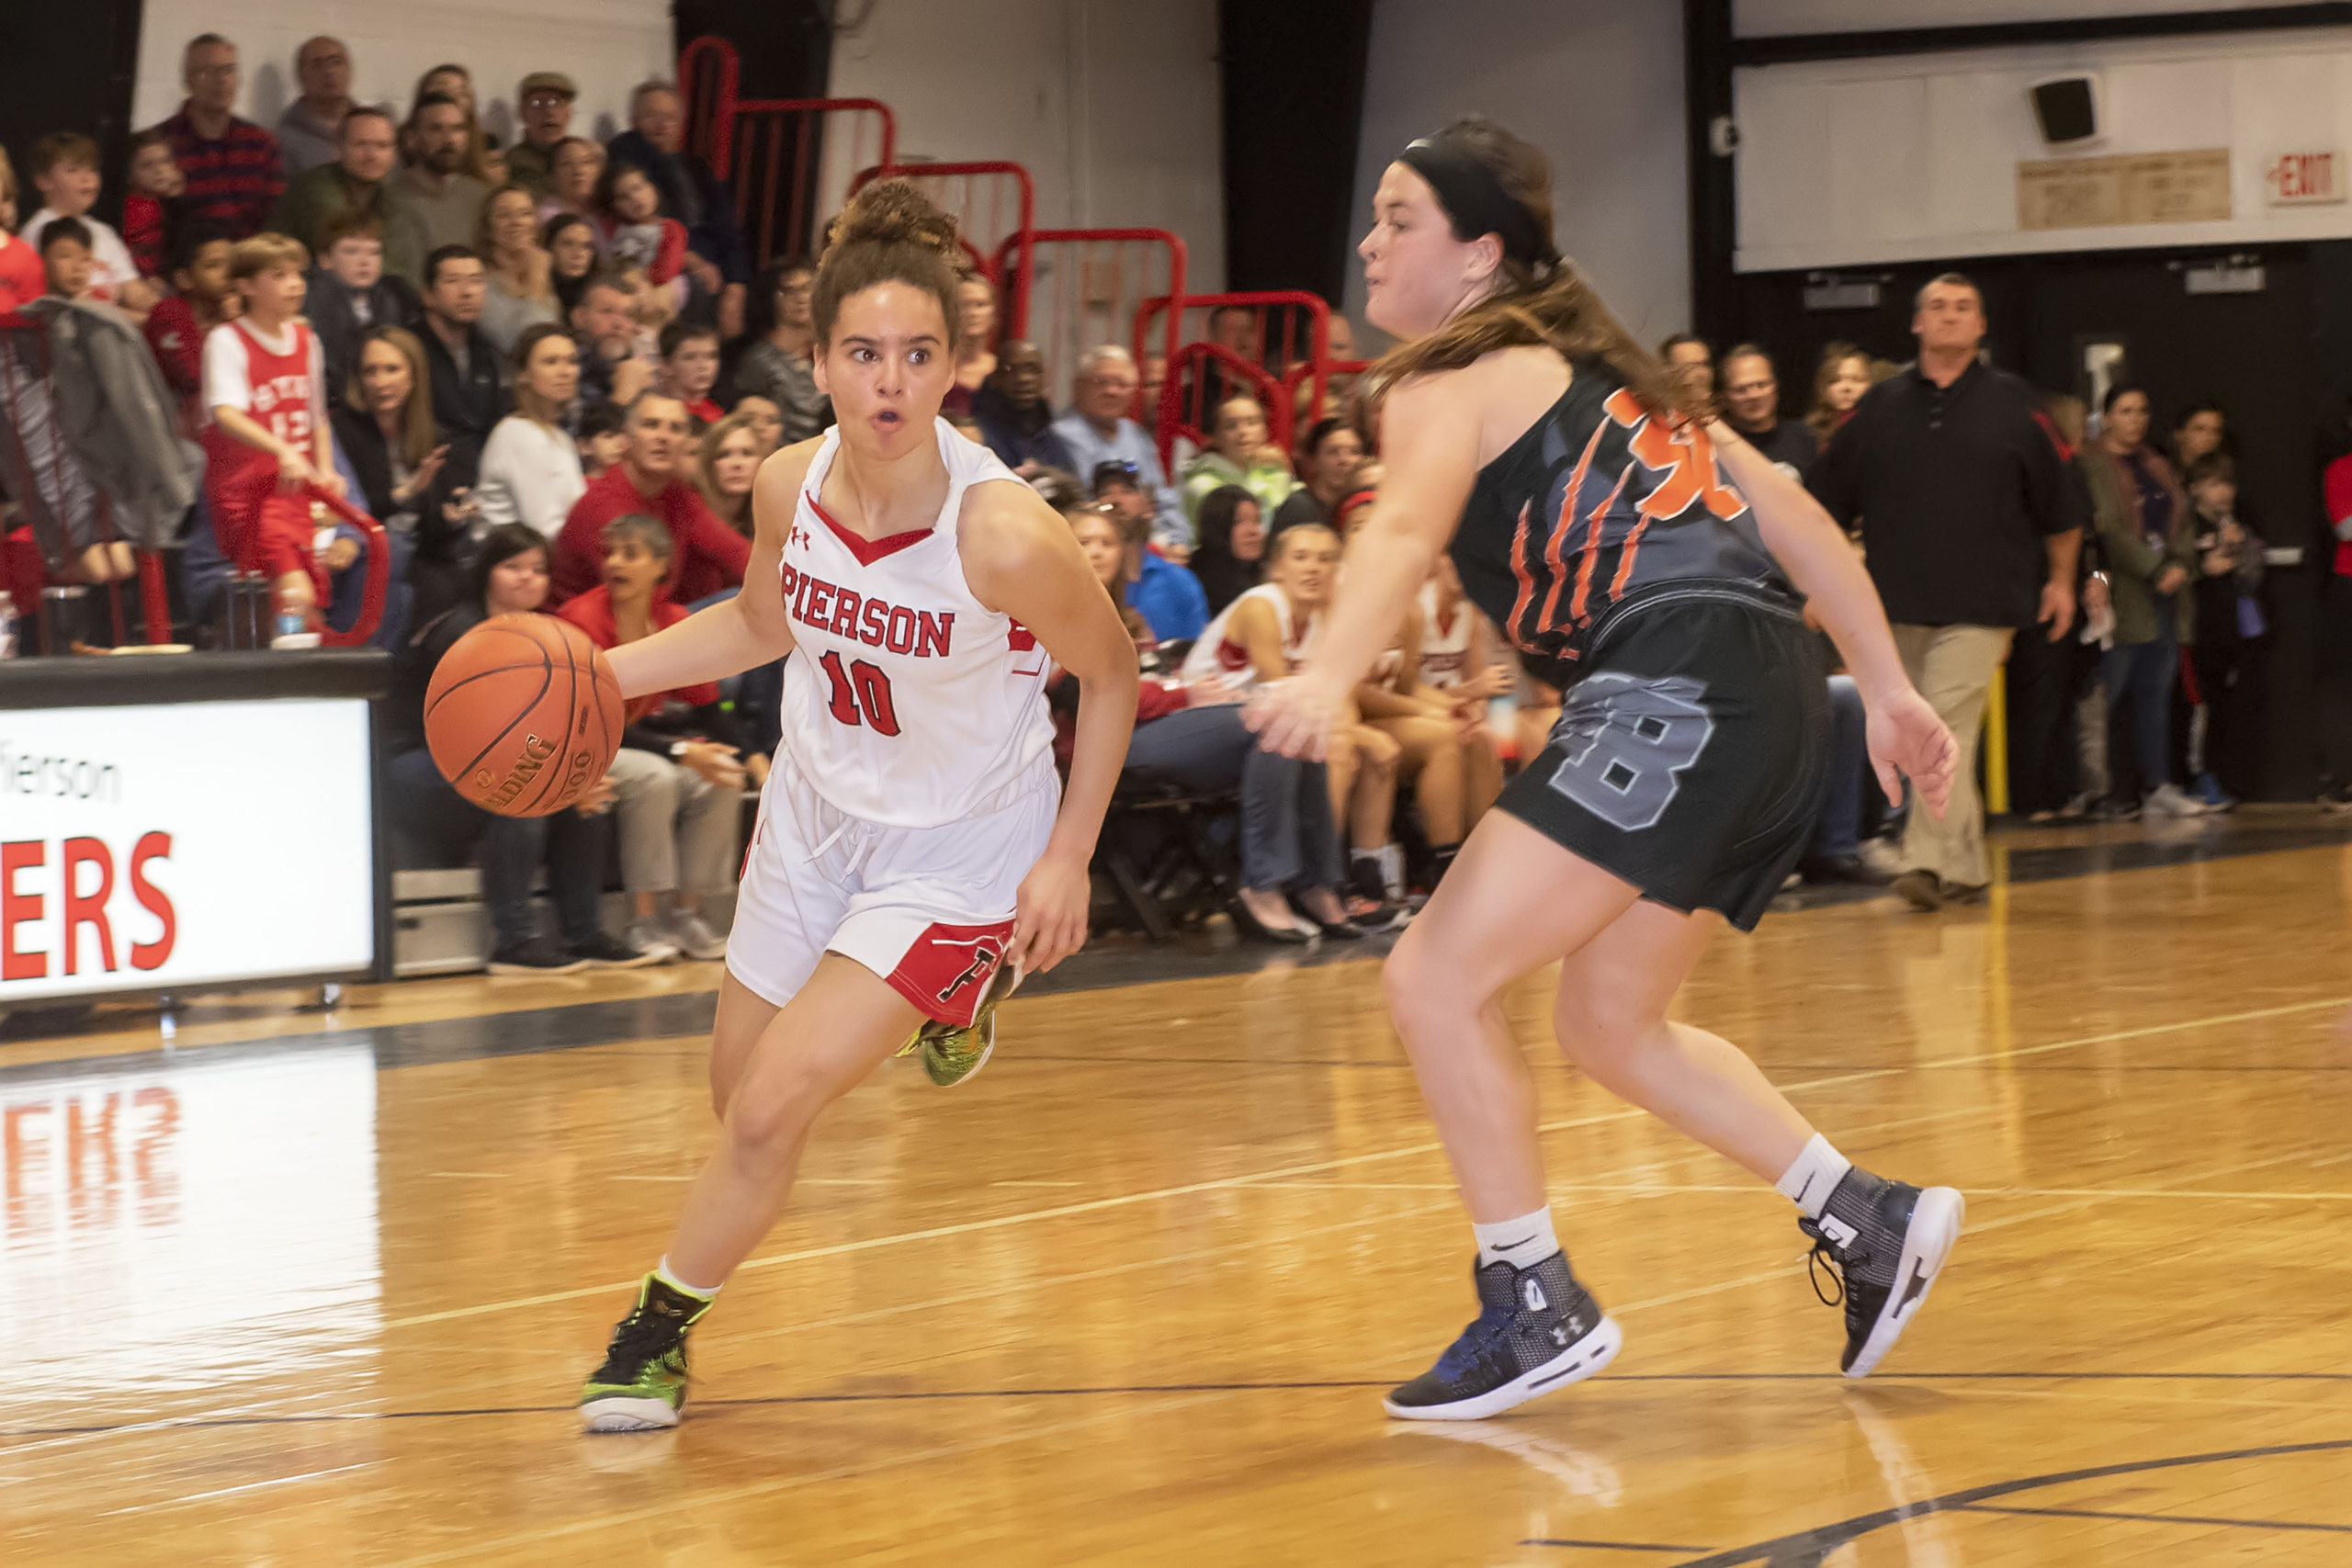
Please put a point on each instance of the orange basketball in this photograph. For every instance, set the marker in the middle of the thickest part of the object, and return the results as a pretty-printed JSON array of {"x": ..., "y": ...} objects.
[{"x": 523, "y": 714}]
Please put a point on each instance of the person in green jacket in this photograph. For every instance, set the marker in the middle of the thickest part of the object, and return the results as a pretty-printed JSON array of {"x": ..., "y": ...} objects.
[
  {"x": 2148, "y": 537},
  {"x": 1239, "y": 454},
  {"x": 364, "y": 159}
]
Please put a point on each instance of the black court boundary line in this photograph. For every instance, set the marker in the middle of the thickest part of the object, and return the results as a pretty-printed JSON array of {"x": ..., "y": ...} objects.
[
  {"x": 1810, "y": 1549},
  {"x": 1611, "y": 1545},
  {"x": 2149, "y": 1518},
  {"x": 688, "y": 1014},
  {"x": 179, "y": 1424}
]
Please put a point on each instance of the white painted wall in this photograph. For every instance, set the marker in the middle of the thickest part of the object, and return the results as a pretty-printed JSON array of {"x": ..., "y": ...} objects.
[
  {"x": 1597, "y": 83},
  {"x": 1111, "y": 104},
  {"x": 1851, "y": 163},
  {"x": 1755, "y": 18},
  {"x": 606, "y": 46}
]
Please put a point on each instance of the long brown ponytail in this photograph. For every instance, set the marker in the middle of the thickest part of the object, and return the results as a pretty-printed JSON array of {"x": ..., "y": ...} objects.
[{"x": 1538, "y": 303}]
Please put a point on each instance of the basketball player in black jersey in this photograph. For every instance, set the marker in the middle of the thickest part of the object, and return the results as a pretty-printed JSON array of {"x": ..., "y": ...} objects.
[{"x": 1635, "y": 555}]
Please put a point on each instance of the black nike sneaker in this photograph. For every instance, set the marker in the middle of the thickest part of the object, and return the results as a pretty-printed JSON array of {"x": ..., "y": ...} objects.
[
  {"x": 1884, "y": 1243},
  {"x": 1539, "y": 1330},
  {"x": 643, "y": 1384}
]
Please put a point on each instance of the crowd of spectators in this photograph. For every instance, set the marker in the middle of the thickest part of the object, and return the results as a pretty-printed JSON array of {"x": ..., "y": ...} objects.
[{"x": 550, "y": 370}]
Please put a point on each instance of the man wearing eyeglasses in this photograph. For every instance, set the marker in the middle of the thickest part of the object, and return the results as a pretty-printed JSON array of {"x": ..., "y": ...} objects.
[
  {"x": 1097, "y": 430},
  {"x": 308, "y": 132},
  {"x": 544, "y": 105},
  {"x": 232, "y": 168}
]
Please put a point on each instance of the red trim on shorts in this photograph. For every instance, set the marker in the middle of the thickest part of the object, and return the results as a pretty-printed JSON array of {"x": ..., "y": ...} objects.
[
  {"x": 946, "y": 970},
  {"x": 867, "y": 551}
]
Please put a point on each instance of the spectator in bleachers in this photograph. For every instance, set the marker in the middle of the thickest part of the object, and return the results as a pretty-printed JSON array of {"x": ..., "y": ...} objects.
[
  {"x": 433, "y": 825},
  {"x": 1239, "y": 454},
  {"x": 779, "y": 363},
  {"x": 604, "y": 323},
  {"x": 689, "y": 369},
  {"x": 65, "y": 168},
  {"x": 518, "y": 274},
  {"x": 1972, "y": 529},
  {"x": 766, "y": 422},
  {"x": 1168, "y": 597},
  {"x": 574, "y": 173},
  {"x": 1434, "y": 741},
  {"x": 1838, "y": 383},
  {"x": 1691, "y": 364},
  {"x": 468, "y": 396},
  {"x": 2233, "y": 635},
  {"x": 2148, "y": 541},
  {"x": 383, "y": 423},
  {"x": 975, "y": 359},
  {"x": 1232, "y": 552},
  {"x": 706, "y": 555},
  {"x": 637, "y": 231},
  {"x": 262, "y": 456},
  {"x": 230, "y": 166},
  {"x": 543, "y": 105},
  {"x": 68, "y": 260},
  {"x": 1752, "y": 406},
  {"x": 1016, "y": 421},
  {"x": 571, "y": 244},
  {"x": 21, "y": 279},
  {"x": 1191, "y": 734},
  {"x": 1097, "y": 430},
  {"x": 603, "y": 439},
  {"x": 1331, "y": 455},
  {"x": 152, "y": 208},
  {"x": 530, "y": 466},
  {"x": 456, "y": 84},
  {"x": 351, "y": 294},
  {"x": 2199, "y": 430},
  {"x": 1261, "y": 637},
  {"x": 202, "y": 299},
  {"x": 1462, "y": 670},
  {"x": 433, "y": 203},
  {"x": 727, "y": 462},
  {"x": 678, "y": 781},
  {"x": 309, "y": 132},
  {"x": 354, "y": 181},
  {"x": 714, "y": 254}
]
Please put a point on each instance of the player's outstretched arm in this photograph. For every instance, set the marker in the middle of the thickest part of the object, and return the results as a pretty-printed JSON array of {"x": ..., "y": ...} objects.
[
  {"x": 1429, "y": 444},
  {"x": 1906, "y": 735},
  {"x": 1022, "y": 560},
  {"x": 750, "y": 628}
]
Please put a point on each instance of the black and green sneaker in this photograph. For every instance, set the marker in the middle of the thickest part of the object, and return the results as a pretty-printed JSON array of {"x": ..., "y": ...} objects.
[
  {"x": 951, "y": 1055},
  {"x": 643, "y": 1384}
]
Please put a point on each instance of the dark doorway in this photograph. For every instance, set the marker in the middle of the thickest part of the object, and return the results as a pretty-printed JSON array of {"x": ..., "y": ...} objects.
[{"x": 68, "y": 68}]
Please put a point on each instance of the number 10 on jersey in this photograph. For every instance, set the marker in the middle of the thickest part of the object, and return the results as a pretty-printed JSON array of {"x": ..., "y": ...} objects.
[{"x": 861, "y": 694}]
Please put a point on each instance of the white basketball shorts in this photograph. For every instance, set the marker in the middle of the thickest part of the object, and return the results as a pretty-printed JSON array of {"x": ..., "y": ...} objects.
[{"x": 929, "y": 909}]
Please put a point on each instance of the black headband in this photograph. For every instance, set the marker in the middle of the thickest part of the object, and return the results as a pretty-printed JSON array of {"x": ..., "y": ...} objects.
[{"x": 1476, "y": 201}]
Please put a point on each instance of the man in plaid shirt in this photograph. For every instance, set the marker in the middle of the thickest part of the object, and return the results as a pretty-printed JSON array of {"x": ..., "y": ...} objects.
[{"x": 234, "y": 177}]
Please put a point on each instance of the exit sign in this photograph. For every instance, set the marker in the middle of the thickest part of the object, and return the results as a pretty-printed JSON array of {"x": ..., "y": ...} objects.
[{"x": 2305, "y": 179}]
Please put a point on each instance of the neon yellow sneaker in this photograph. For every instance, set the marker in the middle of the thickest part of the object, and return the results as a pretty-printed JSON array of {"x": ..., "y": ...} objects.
[
  {"x": 641, "y": 1387},
  {"x": 951, "y": 1055}
]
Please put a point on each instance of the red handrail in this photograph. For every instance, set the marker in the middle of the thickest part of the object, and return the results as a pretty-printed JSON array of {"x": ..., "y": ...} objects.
[
  {"x": 1017, "y": 310},
  {"x": 1318, "y": 313},
  {"x": 1171, "y": 421},
  {"x": 709, "y": 76},
  {"x": 379, "y": 574},
  {"x": 1028, "y": 203}
]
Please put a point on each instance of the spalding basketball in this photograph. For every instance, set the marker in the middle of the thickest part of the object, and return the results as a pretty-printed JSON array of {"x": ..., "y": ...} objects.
[{"x": 523, "y": 714}]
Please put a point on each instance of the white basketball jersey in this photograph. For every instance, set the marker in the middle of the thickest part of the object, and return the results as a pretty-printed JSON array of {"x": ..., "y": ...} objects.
[
  {"x": 907, "y": 702},
  {"x": 1445, "y": 650},
  {"x": 1217, "y": 658}
]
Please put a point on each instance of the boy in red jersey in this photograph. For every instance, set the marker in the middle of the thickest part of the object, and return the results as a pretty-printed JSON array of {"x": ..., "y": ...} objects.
[{"x": 268, "y": 443}]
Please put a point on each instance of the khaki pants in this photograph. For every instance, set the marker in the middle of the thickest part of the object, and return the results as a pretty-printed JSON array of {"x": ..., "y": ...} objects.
[
  {"x": 677, "y": 828},
  {"x": 1953, "y": 667}
]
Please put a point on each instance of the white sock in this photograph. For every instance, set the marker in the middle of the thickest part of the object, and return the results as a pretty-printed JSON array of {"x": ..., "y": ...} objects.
[
  {"x": 1392, "y": 868},
  {"x": 1808, "y": 1182},
  {"x": 662, "y": 1273},
  {"x": 1520, "y": 1242}
]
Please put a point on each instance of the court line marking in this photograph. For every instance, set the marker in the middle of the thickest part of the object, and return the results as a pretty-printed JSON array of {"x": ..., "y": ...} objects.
[
  {"x": 233, "y": 1491},
  {"x": 2150, "y": 1518},
  {"x": 1126, "y": 1200}
]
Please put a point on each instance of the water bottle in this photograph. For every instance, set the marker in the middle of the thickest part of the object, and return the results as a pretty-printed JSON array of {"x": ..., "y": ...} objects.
[
  {"x": 292, "y": 625},
  {"x": 7, "y": 625}
]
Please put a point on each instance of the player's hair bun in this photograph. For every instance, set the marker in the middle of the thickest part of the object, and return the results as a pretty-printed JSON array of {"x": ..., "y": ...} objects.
[{"x": 895, "y": 213}]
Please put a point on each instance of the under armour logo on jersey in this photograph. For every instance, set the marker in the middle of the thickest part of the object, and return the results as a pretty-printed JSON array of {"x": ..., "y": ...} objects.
[{"x": 800, "y": 536}]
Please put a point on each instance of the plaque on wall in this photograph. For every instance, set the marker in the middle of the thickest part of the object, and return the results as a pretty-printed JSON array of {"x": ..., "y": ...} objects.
[{"x": 2134, "y": 187}]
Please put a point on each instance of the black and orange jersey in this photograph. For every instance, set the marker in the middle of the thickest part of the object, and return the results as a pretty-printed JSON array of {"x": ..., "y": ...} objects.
[{"x": 1599, "y": 500}]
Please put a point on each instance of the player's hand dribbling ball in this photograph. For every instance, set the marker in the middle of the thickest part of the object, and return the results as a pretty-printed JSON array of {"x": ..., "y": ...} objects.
[{"x": 523, "y": 714}]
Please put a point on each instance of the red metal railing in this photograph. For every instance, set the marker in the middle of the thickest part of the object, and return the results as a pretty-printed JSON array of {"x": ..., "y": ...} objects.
[
  {"x": 789, "y": 161},
  {"x": 1301, "y": 337},
  {"x": 991, "y": 200},
  {"x": 1080, "y": 287},
  {"x": 1188, "y": 408},
  {"x": 380, "y": 571}
]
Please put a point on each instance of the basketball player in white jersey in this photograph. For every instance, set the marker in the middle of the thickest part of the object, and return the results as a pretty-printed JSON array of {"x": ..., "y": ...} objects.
[{"x": 910, "y": 861}]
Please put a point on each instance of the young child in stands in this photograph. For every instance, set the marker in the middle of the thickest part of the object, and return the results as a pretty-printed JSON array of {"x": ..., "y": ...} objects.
[
  {"x": 690, "y": 368},
  {"x": 268, "y": 443},
  {"x": 157, "y": 186},
  {"x": 603, "y": 436},
  {"x": 66, "y": 167},
  {"x": 21, "y": 277},
  {"x": 636, "y": 231},
  {"x": 67, "y": 260},
  {"x": 203, "y": 300}
]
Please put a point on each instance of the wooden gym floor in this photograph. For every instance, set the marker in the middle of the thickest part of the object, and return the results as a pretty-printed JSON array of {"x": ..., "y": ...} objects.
[{"x": 319, "y": 1290}]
